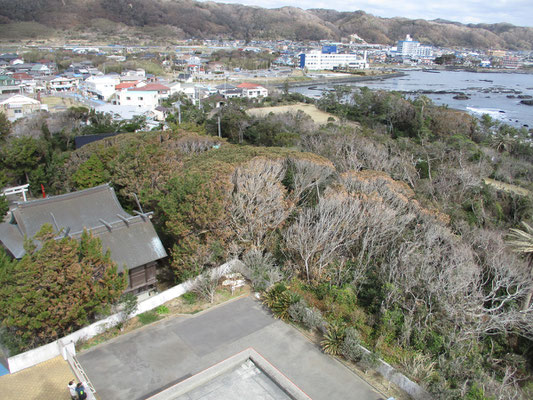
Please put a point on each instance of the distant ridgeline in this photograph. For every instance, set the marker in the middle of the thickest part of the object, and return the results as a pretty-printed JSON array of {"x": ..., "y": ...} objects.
[{"x": 181, "y": 19}]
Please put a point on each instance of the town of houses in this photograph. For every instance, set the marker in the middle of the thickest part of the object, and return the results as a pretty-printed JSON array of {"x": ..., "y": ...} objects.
[{"x": 195, "y": 75}]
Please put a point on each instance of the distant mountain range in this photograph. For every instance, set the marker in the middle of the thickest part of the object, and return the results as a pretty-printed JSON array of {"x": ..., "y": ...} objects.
[{"x": 180, "y": 19}]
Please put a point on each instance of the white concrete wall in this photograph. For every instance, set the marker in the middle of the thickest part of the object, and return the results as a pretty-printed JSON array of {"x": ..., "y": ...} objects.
[
  {"x": 138, "y": 98},
  {"x": 33, "y": 357},
  {"x": 54, "y": 349}
]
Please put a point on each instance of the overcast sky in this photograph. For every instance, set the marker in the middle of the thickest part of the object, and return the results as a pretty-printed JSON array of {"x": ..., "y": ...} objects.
[{"x": 517, "y": 12}]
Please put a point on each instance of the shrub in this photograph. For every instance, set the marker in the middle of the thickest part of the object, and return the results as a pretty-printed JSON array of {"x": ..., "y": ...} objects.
[
  {"x": 148, "y": 317},
  {"x": 351, "y": 346},
  {"x": 129, "y": 306},
  {"x": 189, "y": 297},
  {"x": 297, "y": 310},
  {"x": 310, "y": 317},
  {"x": 4, "y": 206},
  {"x": 333, "y": 339},
  {"x": 369, "y": 360},
  {"x": 261, "y": 269}
]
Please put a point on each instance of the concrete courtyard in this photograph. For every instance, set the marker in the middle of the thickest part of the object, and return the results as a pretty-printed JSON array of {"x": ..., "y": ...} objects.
[{"x": 142, "y": 363}]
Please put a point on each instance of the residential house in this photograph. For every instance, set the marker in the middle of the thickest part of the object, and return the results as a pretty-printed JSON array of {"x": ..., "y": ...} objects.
[
  {"x": 8, "y": 57},
  {"x": 19, "y": 106},
  {"x": 63, "y": 83},
  {"x": 102, "y": 87},
  {"x": 27, "y": 82},
  {"x": 160, "y": 113},
  {"x": 40, "y": 70},
  {"x": 139, "y": 72},
  {"x": 183, "y": 77},
  {"x": 131, "y": 239},
  {"x": 8, "y": 84},
  {"x": 252, "y": 91},
  {"x": 22, "y": 67},
  {"x": 229, "y": 91},
  {"x": 143, "y": 96},
  {"x": 126, "y": 85}
]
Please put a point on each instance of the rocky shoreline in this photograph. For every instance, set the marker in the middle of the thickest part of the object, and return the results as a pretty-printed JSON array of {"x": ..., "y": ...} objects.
[{"x": 338, "y": 80}]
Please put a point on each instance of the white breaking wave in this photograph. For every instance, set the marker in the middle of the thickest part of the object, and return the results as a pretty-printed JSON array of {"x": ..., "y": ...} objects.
[{"x": 494, "y": 113}]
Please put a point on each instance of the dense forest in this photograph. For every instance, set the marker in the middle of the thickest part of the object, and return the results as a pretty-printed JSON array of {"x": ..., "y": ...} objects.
[
  {"x": 403, "y": 227},
  {"x": 184, "y": 19}
]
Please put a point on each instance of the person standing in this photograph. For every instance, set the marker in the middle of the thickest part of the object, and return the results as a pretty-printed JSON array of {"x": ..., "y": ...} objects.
[
  {"x": 80, "y": 390},
  {"x": 72, "y": 390}
]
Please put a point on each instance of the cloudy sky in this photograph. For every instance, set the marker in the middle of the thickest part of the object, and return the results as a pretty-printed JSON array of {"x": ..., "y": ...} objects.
[{"x": 517, "y": 12}]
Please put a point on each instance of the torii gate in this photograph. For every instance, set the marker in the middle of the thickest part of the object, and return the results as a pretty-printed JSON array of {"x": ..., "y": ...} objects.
[{"x": 17, "y": 190}]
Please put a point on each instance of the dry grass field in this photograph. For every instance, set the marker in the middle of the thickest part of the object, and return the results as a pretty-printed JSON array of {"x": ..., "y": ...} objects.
[{"x": 320, "y": 117}]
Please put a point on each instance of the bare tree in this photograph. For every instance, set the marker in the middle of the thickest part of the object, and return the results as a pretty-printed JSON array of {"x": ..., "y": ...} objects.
[
  {"x": 206, "y": 284},
  {"x": 258, "y": 204},
  {"x": 521, "y": 241},
  {"x": 307, "y": 174},
  {"x": 319, "y": 234}
]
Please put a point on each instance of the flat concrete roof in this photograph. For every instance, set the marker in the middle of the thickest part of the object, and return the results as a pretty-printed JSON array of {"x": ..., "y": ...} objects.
[
  {"x": 245, "y": 374},
  {"x": 146, "y": 362},
  {"x": 244, "y": 381}
]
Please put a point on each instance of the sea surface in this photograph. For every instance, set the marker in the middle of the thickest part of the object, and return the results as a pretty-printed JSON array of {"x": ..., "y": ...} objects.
[{"x": 488, "y": 92}]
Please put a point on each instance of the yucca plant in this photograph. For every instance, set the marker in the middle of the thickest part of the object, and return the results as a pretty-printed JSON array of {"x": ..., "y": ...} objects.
[
  {"x": 281, "y": 306},
  {"x": 271, "y": 296},
  {"x": 279, "y": 299},
  {"x": 333, "y": 339}
]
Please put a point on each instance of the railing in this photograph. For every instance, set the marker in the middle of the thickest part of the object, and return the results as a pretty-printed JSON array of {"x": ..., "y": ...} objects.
[{"x": 78, "y": 371}]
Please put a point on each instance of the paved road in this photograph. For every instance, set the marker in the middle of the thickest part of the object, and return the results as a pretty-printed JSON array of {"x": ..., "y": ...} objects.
[{"x": 144, "y": 362}]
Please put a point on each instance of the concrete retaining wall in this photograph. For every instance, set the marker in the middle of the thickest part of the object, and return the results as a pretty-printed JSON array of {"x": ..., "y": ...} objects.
[
  {"x": 54, "y": 349},
  {"x": 399, "y": 379}
]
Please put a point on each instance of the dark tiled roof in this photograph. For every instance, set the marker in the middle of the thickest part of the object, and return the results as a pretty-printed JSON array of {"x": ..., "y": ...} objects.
[
  {"x": 132, "y": 240},
  {"x": 80, "y": 141}
]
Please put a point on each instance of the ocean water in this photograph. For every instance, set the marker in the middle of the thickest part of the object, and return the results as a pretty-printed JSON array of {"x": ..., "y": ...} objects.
[{"x": 487, "y": 91}]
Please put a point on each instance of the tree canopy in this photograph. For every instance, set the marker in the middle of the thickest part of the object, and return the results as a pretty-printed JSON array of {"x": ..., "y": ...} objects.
[{"x": 55, "y": 289}]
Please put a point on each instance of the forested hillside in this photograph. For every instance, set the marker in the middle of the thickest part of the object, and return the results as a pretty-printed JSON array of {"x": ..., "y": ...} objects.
[
  {"x": 179, "y": 19},
  {"x": 380, "y": 227}
]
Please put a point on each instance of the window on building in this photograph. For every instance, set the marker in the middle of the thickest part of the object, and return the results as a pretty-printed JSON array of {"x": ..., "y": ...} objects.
[
  {"x": 18, "y": 111},
  {"x": 128, "y": 98},
  {"x": 140, "y": 98}
]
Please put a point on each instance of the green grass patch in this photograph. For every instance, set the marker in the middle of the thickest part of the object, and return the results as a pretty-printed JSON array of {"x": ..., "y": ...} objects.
[
  {"x": 189, "y": 298},
  {"x": 161, "y": 310},
  {"x": 148, "y": 317}
]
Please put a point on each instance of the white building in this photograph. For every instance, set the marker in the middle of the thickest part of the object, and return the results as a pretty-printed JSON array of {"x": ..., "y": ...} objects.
[
  {"x": 102, "y": 87},
  {"x": 61, "y": 83},
  {"x": 411, "y": 49},
  {"x": 252, "y": 91},
  {"x": 146, "y": 96},
  {"x": 317, "y": 60}
]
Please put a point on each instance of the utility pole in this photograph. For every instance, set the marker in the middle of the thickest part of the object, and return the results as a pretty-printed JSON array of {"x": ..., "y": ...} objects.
[
  {"x": 178, "y": 103},
  {"x": 219, "y": 130}
]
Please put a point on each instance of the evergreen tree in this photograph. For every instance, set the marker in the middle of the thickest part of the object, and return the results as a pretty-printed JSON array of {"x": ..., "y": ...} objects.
[
  {"x": 91, "y": 173},
  {"x": 5, "y": 126},
  {"x": 57, "y": 289}
]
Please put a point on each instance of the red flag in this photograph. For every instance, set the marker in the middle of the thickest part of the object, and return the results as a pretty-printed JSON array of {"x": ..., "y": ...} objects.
[{"x": 42, "y": 190}]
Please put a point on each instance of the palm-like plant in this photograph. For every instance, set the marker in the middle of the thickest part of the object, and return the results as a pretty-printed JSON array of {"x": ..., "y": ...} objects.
[
  {"x": 333, "y": 339},
  {"x": 521, "y": 241}
]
